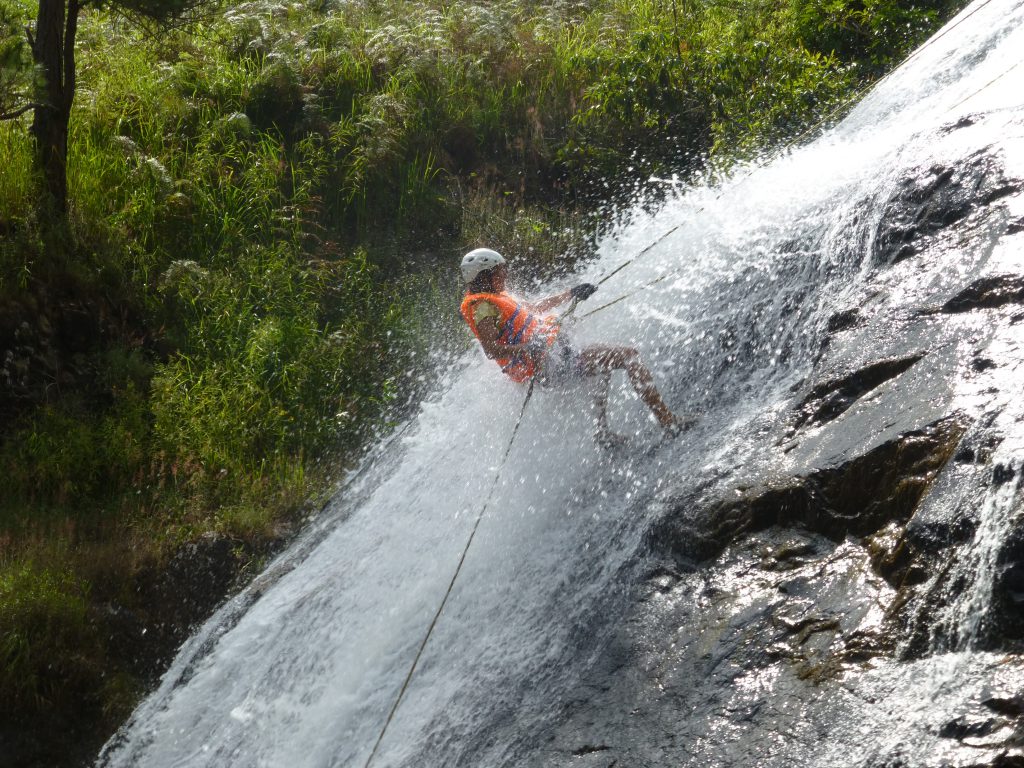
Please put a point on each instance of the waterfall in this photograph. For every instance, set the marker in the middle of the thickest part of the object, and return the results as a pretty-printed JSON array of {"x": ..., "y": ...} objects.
[{"x": 302, "y": 667}]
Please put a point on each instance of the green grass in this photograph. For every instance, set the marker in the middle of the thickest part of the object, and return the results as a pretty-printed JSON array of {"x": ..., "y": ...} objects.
[{"x": 48, "y": 647}]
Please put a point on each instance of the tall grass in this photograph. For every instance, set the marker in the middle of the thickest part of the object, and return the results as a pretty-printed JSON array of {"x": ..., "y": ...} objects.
[
  {"x": 17, "y": 219},
  {"x": 47, "y": 643}
]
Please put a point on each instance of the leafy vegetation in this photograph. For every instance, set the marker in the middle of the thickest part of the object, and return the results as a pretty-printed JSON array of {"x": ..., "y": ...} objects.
[
  {"x": 48, "y": 613},
  {"x": 264, "y": 209}
]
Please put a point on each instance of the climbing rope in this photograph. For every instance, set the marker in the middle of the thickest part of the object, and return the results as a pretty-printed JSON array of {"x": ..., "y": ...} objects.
[
  {"x": 451, "y": 584},
  {"x": 772, "y": 157},
  {"x": 666, "y": 275},
  {"x": 994, "y": 80},
  {"x": 462, "y": 559}
]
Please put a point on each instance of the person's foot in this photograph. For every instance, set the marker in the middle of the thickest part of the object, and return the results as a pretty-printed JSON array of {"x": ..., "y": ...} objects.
[
  {"x": 676, "y": 425},
  {"x": 610, "y": 440}
]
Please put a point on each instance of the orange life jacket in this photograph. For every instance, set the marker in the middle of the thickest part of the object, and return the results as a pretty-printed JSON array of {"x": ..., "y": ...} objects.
[{"x": 516, "y": 325}]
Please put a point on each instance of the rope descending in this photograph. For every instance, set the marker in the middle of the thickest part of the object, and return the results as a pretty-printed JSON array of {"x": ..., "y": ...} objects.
[{"x": 451, "y": 584}]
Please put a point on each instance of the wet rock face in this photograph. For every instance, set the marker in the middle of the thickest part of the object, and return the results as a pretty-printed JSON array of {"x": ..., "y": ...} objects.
[
  {"x": 1008, "y": 588},
  {"x": 988, "y": 293},
  {"x": 829, "y": 400},
  {"x": 934, "y": 199},
  {"x": 858, "y": 498},
  {"x": 852, "y": 594},
  {"x": 777, "y": 654}
]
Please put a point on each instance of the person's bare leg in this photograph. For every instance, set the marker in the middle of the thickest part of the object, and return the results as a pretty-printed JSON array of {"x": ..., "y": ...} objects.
[
  {"x": 601, "y": 359},
  {"x": 604, "y": 434},
  {"x": 643, "y": 383}
]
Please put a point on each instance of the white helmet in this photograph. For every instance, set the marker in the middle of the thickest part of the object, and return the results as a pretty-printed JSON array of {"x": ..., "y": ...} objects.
[{"x": 479, "y": 260}]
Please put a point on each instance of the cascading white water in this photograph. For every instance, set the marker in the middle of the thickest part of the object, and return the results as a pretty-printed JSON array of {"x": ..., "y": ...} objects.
[
  {"x": 302, "y": 668},
  {"x": 974, "y": 569}
]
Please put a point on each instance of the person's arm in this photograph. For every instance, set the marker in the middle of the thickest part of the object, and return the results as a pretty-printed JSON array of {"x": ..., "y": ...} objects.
[
  {"x": 580, "y": 292},
  {"x": 543, "y": 305}
]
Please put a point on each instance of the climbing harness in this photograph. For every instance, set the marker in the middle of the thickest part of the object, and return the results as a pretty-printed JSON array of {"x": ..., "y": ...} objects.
[{"x": 455, "y": 576}]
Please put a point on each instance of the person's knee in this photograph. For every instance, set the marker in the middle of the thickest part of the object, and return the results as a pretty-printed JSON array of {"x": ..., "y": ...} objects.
[
  {"x": 608, "y": 358},
  {"x": 631, "y": 359},
  {"x": 627, "y": 356}
]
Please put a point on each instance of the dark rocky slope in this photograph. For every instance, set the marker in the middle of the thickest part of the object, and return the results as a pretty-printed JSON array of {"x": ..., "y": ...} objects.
[{"x": 796, "y": 620}]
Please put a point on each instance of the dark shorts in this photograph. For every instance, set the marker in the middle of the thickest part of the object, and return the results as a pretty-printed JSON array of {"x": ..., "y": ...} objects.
[{"x": 561, "y": 366}]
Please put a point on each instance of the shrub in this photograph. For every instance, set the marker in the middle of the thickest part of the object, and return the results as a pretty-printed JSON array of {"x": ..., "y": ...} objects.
[
  {"x": 48, "y": 648},
  {"x": 15, "y": 56},
  {"x": 273, "y": 362},
  {"x": 870, "y": 33},
  {"x": 67, "y": 460},
  {"x": 276, "y": 98}
]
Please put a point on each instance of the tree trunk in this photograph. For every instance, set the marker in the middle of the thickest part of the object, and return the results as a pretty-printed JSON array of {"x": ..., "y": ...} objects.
[{"x": 53, "y": 50}]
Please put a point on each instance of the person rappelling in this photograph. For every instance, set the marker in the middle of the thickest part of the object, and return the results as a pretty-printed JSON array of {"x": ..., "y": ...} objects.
[{"x": 528, "y": 343}]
